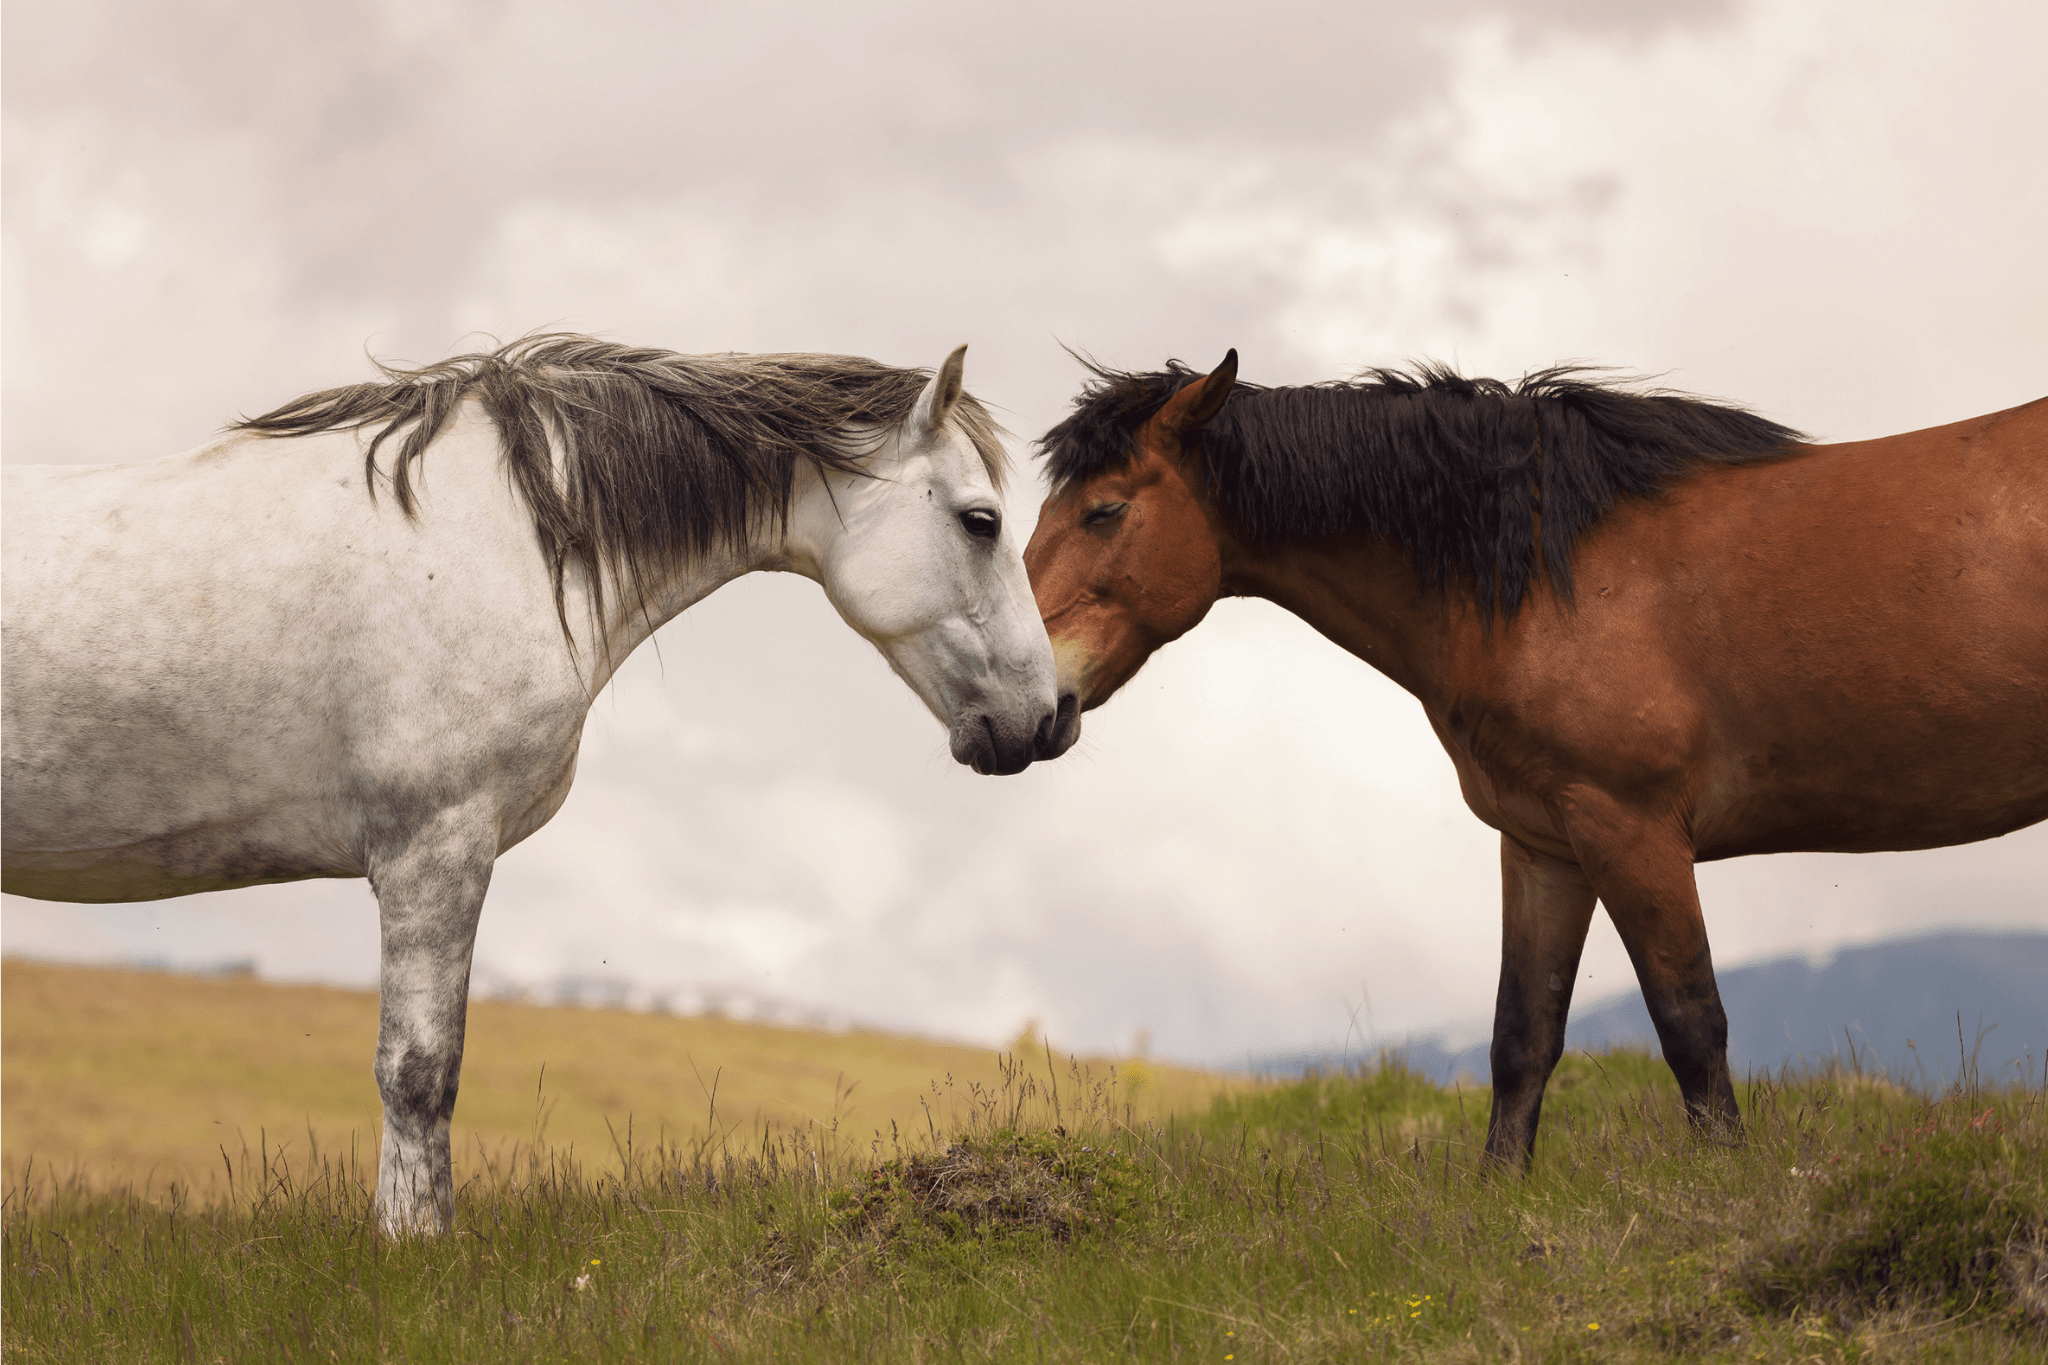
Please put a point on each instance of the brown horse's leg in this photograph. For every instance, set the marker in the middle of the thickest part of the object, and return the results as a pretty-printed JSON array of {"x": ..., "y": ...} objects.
[
  {"x": 1643, "y": 873},
  {"x": 1546, "y": 904}
]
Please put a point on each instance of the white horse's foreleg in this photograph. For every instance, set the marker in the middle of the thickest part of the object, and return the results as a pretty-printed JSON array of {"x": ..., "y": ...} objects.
[{"x": 430, "y": 889}]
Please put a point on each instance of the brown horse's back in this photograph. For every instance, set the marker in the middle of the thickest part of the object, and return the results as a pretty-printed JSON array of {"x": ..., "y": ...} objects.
[{"x": 1843, "y": 650}]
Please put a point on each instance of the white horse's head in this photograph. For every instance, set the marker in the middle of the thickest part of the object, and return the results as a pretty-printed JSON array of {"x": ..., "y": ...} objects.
[{"x": 918, "y": 557}]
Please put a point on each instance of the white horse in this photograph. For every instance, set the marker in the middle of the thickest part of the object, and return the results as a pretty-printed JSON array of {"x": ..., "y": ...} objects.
[{"x": 357, "y": 637}]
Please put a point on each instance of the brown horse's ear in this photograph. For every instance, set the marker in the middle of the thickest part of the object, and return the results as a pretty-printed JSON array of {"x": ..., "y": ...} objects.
[{"x": 1187, "y": 411}]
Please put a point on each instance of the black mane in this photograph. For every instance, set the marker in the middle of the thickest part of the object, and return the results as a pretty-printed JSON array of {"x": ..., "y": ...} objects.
[{"x": 1454, "y": 469}]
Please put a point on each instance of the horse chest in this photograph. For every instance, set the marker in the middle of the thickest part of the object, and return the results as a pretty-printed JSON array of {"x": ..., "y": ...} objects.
[{"x": 1500, "y": 792}]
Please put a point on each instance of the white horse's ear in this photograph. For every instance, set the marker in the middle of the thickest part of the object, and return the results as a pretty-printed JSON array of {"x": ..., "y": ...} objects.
[{"x": 940, "y": 396}]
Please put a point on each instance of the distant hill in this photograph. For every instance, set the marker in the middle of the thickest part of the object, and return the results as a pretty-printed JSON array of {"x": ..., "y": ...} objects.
[{"x": 1880, "y": 997}]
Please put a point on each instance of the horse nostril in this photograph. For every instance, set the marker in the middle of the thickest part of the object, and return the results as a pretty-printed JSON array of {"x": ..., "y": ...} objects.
[{"x": 1054, "y": 731}]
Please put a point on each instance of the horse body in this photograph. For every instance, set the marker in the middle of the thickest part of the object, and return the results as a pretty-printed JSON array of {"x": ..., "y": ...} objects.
[
  {"x": 368, "y": 664},
  {"x": 1844, "y": 650},
  {"x": 239, "y": 665},
  {"x": 1906, "y": 706},
  {"x": 1824, "y": 648}
]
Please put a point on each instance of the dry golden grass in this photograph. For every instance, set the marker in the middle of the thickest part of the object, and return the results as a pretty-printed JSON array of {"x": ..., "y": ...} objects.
[{"x": 127, "y": 1076}]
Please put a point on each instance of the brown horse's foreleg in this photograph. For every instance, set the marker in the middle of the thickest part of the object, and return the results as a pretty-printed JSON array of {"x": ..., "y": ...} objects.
[
  {"x": 1546, "y": 904},
  {"x": 1643, "y": 873}
]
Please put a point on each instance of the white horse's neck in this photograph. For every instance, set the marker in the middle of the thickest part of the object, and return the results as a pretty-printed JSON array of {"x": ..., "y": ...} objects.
[{"x": 791, "y": 544}]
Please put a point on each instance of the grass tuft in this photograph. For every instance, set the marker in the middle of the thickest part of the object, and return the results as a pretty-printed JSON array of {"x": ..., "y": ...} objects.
[{"x": 1927, "y": 1220}]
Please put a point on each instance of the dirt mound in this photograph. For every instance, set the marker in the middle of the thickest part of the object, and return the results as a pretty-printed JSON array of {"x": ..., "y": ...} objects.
[{"x": 994, "y": 1187}]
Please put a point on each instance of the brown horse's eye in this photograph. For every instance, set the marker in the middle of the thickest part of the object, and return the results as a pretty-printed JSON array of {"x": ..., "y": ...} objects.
[{"x": 1105, "y": 514}]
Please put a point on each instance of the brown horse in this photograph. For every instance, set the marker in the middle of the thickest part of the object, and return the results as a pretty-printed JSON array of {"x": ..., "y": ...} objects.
[{"x": 1649, "y": 631}]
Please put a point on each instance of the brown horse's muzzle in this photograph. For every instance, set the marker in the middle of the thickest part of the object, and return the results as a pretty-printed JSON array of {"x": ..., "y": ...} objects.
[{"x": 1062, "y": 728}]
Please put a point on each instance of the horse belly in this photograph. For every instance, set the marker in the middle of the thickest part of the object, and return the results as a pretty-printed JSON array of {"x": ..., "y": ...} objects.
[
  {"x": 1920, "y": 805},
  {"x": 181, "y": 864},
  {"x": 128, "y": 781},
  {"x": 1947, "y": 747}
]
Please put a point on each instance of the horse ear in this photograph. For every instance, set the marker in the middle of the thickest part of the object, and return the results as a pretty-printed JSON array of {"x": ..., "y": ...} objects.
[
  {"x": 1187, "y": 411},
  {"x": 940, "y": 396}
]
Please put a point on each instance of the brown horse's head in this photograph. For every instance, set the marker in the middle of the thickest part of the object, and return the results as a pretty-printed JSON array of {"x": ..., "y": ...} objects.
[{"x": 1129, "y": 558}]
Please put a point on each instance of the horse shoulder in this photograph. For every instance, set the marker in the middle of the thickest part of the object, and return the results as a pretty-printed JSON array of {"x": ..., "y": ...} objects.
[
  {"x": 464, "y": 677},
  {"x": 1560, "y": 696}
]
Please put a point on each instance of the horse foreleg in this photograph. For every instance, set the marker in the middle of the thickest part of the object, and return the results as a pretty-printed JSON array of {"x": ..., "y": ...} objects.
[
  {"x": 1643, "y": 873},
  {"x": 1546, "y": 904},
  {"x": 429, "y": 892}
]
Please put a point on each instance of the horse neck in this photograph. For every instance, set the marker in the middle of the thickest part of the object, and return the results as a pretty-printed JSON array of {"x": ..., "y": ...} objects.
[
  {"x": 627, "y": 622},
  {"x": 790, "y": 543},
  {"x": 1362, "y": 592}
]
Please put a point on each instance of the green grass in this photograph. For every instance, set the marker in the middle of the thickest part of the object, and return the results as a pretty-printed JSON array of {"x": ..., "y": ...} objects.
[{"x": 1340, "y": 1218}]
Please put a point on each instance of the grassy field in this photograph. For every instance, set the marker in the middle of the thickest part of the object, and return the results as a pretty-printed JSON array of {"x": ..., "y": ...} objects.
[
  {"x": 1335, "y": 1219},
  {"x": 128, "y": 1077}
]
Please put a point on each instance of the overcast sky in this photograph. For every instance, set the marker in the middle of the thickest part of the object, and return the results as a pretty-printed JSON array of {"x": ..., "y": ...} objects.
[{"x": 1831, "y": 212}]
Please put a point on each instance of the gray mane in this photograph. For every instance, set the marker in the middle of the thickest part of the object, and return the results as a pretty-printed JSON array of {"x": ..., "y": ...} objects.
[{"x": 661, "y": 456}]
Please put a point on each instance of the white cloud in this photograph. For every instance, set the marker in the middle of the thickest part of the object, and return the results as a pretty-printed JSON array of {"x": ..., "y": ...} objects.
[
  {"x": 667, "y": 269},
  {"x": 1812, "y": 210}
]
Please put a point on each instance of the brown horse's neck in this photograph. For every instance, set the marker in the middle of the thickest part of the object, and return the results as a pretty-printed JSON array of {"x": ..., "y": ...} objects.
[{"x": 1362, "y": 593}]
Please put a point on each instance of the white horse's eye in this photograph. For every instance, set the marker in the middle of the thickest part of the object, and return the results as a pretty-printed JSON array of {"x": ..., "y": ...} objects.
[{"x": 982, "y": 524}]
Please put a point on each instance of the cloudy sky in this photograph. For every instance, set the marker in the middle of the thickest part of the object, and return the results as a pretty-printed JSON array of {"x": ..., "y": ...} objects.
[{"x": 1830, "y": 211}]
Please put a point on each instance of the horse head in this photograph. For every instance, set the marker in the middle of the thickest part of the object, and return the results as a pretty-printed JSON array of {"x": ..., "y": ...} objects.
[
  {"x": 915, "y": 553},
  {"x": 1128, "y": 558}
]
